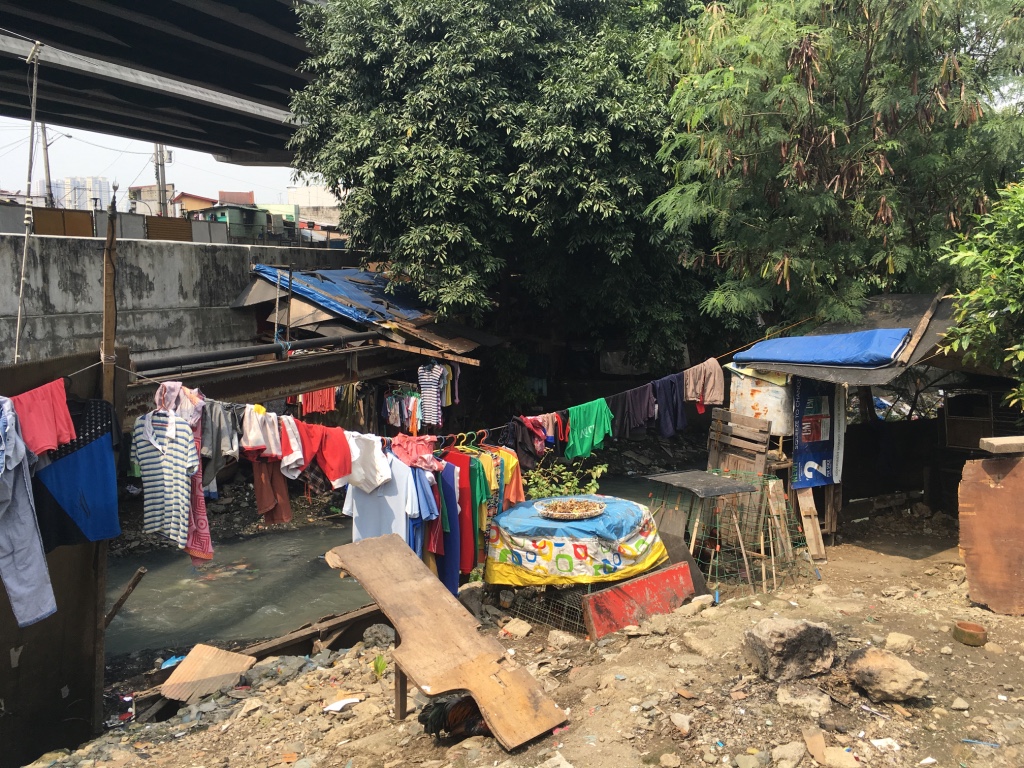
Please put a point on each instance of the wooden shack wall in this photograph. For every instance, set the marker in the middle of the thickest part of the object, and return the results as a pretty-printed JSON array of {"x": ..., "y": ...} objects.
[
  {"x": 50, "y": 696},
  {"x": 888, "y": 457}
]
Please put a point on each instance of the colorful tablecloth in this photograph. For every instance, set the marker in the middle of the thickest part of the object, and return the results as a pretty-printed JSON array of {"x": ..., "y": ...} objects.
[{"x": 524, "y": 548}]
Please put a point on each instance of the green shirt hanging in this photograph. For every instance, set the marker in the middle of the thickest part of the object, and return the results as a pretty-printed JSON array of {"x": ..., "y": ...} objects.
[{"x": 589, "y": 424}]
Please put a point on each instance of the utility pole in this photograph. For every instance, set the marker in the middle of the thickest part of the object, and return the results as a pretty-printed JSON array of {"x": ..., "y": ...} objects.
[
  {"x": 161, "y": 178},
  {"x": 107, "y": 355},
  {"x": 46, "y": 168}
]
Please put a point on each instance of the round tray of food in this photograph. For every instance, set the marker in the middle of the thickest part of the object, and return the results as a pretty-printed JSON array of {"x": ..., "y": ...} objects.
[{"x": 570, "y": 509}]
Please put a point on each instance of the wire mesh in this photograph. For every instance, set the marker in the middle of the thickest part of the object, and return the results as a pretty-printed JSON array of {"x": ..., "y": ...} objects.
[
  {"x": 749, "y": 538},
  {"x": 555, "y": 607}
]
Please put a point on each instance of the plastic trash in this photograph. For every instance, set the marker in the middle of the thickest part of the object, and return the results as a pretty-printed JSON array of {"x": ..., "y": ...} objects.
[
  {"x": 172, "y": 662},
  {"x": 885, "y": 745},
  {"x": 340, "y": 704}
]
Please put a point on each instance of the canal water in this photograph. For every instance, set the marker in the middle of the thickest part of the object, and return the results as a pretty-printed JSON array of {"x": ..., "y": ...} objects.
[{"x": 258, "y": 587}]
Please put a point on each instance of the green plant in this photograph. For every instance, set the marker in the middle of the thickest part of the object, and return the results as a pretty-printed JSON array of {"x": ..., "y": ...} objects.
[
  {"x": 380, "y": 666},
  {"x": 554, "y": 477}
]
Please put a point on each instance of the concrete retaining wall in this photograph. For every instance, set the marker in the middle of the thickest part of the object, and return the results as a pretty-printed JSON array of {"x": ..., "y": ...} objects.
[{"x": 172, "y": 297}]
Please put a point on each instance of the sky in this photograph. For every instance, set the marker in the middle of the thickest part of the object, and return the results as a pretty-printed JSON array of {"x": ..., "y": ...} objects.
[{"x": 130, "y": 163}]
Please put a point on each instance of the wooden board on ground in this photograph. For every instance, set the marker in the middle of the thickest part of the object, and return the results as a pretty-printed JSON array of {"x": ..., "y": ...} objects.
[
  {"x": 992, "y": 532},
  {"x": 809, "y": 520},
  {"x": 779, "y": 518},
  {"x": 633, "y": 601},
  {"x": 204, "y": 671},
  {"x": 327, "y": 630},
  {"x": 439, "y": 646}
]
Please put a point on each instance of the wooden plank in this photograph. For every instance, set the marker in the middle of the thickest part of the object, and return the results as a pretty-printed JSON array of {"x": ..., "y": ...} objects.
[
  {"x": 753, "y": 435},
  {"x": 204, "y": 671},
  {"x": 439, "y": 648},
  {"x": 636, "y": 600},
  {"x": 457, "y": 345},
  {"x": 809, "y": 519},
  {"x": 992, "y": 532},
  {"x": 759, "y": 425},
  {"x": 435, "y": 353},
  {"x": 368, "y": 614},
  {"x": 1011, "y": 444},
  {"x": 833, "y": 504},
  {"x": 780, "y": 519},
  {"x": 922, "y": 326},
  {"x": 738, "y": 443}
]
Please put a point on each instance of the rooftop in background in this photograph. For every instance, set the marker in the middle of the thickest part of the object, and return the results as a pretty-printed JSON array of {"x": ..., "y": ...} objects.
[
  {"x": 236, "y": 198},
  {"x": 214, "y": 76}
]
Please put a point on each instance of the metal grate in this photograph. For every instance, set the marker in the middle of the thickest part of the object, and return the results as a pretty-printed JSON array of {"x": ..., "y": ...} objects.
[{"x": 555, "y": 607}]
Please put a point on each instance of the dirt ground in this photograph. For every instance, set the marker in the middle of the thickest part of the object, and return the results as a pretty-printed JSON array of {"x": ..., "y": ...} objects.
[{"x": 621, "y": 692}]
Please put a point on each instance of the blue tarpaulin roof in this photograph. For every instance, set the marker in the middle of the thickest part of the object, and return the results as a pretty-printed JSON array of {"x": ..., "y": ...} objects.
[
  {"x": 349, "y": 293},
  {"x": 862, "y": 349}
]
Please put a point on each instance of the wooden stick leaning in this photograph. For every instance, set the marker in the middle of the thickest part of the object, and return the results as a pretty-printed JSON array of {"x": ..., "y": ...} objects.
[{"x": 743, "y": 551}]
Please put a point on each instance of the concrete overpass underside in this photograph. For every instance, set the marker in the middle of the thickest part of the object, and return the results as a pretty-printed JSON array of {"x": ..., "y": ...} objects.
[{"x": 209, "y": 75}]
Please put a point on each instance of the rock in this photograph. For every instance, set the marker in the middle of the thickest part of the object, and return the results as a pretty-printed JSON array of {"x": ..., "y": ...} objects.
[
  {"x": 670, "y": 760},
  {"x": 378, "y": 636},
  {"x": 560, "y": 640},
  {"x": 682, "y": 722},
  {"x": 898, "y": 643},
  {"x": 994, "y": 648},
  {"x": 250, "y": 705},
  {"x": 946, "y": 650},
  {"x": 557, "y": 761},
  {"x": 695, "y": 606},
  {"x": 808, "y": 701},
  {"x": 788, "y": 755},
  {"x": 822, "y": 590},
  {"x": 472, "y": 598},
  {"x": 784, "y": 649},
  {"x": 709, "y": 758},
  {"x": 884, "y": 676},
  {"x": 837, "y": 757},
  {"x": 747, "y": 761},
  {"x": 959, "y": 705},
  {"x": 516, "y": 628}
]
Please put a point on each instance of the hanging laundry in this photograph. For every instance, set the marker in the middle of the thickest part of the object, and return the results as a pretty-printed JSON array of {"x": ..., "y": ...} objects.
[
  {"x": 556, "y": 429},
  {"x": 513, "y": 492},
  {"x": 449, "y": 385},
  {"x": 520, "y": 438},
  {"x": 220, "y": 429},
  {"x": 163, "y": 454},
  {"x": 292, "y": 453},
  {"x": 448, "y": 563},
  {"x": 589, "y": 424},
  {"x": 425, "y": 511},
  {"x": 385, "y": 508},
  {"x": 44, "y": 418},
  {"x": 271, "y": 490},
  {"x": 320, "y": 401},
  {"x": 76, "y": 493},
  {"x": 705, "y": 384},
  {"x": 429, "y": 376},
  {"x": 631, "y": 410},
  {"x": 416, "y": 451},
  {"x": 370, "y": 468},
  {"x": 668, "y": 392},
  {"x": 261, "y": 434},
  {"x": 23, "y": 567}
]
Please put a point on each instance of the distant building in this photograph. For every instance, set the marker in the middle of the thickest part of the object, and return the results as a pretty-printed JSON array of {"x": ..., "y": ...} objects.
[
  {"x": 19, "y": 198},
  {"x": 236, "y": 198},
  {"x": 147, "y": 198},
  {"x": 185, "y": 203},
  {"x": 83, "y": 193},
  {"x": 57, "y": 189},
  {"x": 316, "y": 204}
]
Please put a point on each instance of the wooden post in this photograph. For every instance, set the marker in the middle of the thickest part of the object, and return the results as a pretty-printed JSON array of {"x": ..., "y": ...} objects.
[
  {"x": 132, "y": 584},
  {"x": 401, "y": 694},
  {"x": 109, "y": 302}
]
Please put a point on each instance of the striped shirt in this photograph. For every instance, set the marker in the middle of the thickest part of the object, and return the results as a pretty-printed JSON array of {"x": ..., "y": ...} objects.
[
  {"x": 166, "y": 468},
  {"x": 430, "y": 380}
]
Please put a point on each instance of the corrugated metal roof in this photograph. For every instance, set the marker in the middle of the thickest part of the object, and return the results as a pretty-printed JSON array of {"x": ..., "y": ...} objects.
[{"x": 349, "y": 293}]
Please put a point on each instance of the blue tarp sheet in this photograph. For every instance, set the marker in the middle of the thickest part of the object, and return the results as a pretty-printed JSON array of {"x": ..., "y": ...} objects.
[
  {"x": 863, "y": 349},
  {"x": 618, "y": 521},
  {"x": 349, "y": 293}
]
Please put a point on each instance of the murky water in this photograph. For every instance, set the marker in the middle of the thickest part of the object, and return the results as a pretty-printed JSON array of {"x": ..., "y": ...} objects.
[{"x": 258, "y": 587}]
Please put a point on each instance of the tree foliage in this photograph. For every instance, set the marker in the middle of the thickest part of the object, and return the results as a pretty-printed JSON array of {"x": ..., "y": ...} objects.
[
  {"x": 501, "y": 154},
  {"x": 829, "y": 149},
  {"x": 990, "y": 304}
]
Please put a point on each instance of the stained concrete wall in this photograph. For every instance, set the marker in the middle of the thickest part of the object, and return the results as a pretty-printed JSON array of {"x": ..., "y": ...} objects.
[{"x": 172, "y": 297}]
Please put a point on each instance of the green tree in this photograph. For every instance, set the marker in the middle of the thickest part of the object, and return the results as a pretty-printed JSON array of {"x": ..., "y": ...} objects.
[
  {"x": 502, "y": 154},
  {"x": 990, "y": 303},
  {"x": 827, "y": 150}
]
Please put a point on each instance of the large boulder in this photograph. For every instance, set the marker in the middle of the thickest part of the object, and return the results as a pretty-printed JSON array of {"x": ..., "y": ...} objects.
[
  {"x": 884, "y": 676},
  {"x": 785, "y": 649}
]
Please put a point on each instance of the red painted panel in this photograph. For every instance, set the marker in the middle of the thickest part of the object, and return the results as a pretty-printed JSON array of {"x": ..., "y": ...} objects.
[{"x": 612, "y": 609}]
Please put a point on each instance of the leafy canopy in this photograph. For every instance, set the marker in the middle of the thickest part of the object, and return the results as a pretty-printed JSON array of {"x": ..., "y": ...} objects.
[
  {"x": 501, "y": 153},
  {"x": 990, "y": 304},
  {"x": 828, "y": 150}
]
